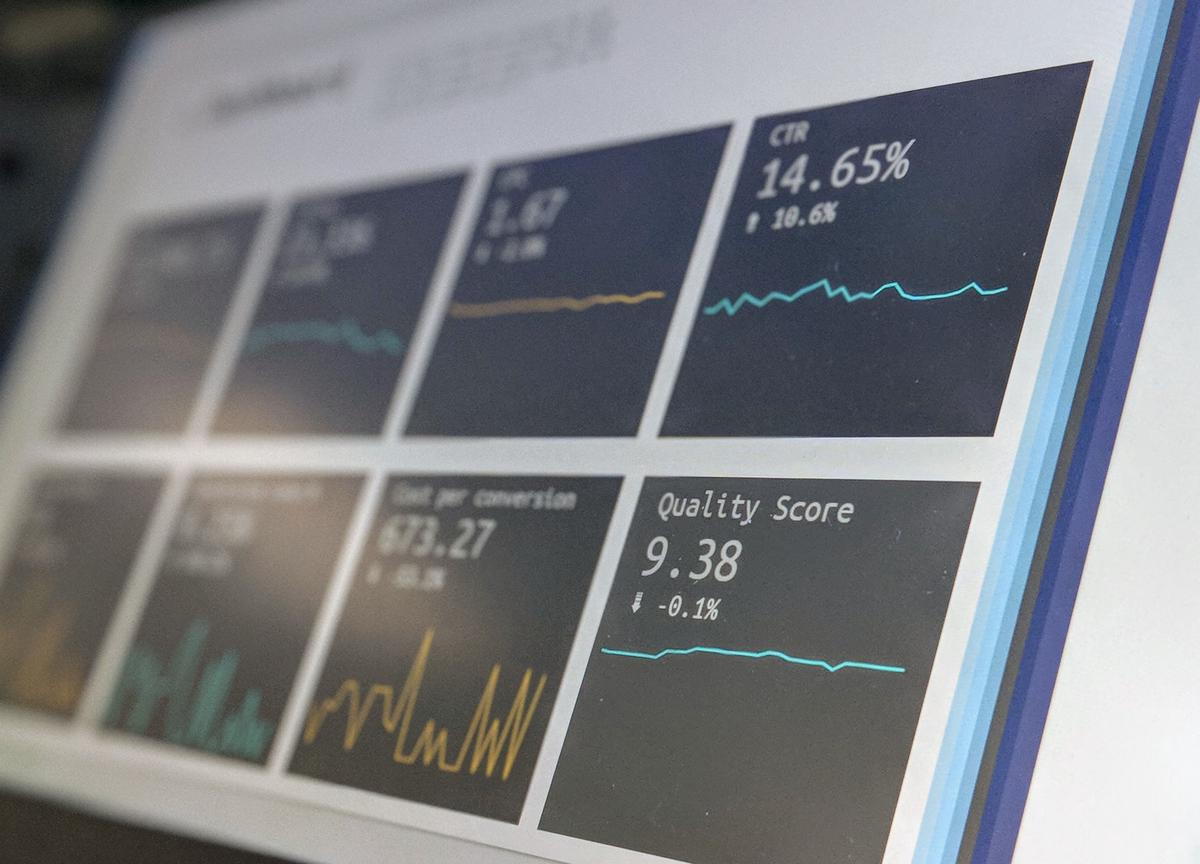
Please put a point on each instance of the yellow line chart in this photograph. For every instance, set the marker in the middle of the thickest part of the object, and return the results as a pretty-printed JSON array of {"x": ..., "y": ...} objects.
[
  {"x": 486, "y": 740},
  {"x": 535, "y": 305},
  {"x": 37, "y": 666}
]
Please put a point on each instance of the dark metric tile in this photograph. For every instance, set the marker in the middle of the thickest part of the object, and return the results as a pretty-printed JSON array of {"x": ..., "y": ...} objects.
[
  {"x": 169, "y": 297},
  {"x": 451, "y": 647},
  {"x": 66, "y": 570},
  {"x": 568, "y": 287},
  {"x": 876, "y": 263},
  {"x": 232, "y": 609},
  {"x": 334, "y": 324},
  {"x": 756, "y": 680}
]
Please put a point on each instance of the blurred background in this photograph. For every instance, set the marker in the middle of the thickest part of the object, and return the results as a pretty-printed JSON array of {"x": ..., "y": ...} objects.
[{"x": 57, "y": 58}]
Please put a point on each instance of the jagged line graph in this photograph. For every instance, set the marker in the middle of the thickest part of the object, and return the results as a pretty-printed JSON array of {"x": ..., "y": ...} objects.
[
  {"x": 345, "y": 332},
  {"x": 193, "y": 700},
  {"x": 486, "y": 739},
  {"x": 731, "y": 307},
  {"x": 534, "y": 305},
  {"x": 754, "y": 655}
]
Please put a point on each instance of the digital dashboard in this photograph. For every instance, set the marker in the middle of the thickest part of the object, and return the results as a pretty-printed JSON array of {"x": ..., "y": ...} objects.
[{"x": 584, "y": 431}]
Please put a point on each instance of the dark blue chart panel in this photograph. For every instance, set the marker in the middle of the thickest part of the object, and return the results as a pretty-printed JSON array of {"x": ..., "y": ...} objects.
[
  {"x": 332, "y": 329},
  {"x": 756, "y": 680},
  {"x": 876, "y": 263},
  {"x": 62, "y": 580},
  {"x": 232, "y": 608},
  {"x": 567, "y": 291},
  {"x": 440, "y": 681},
  {"x": 170, "y": 293}
]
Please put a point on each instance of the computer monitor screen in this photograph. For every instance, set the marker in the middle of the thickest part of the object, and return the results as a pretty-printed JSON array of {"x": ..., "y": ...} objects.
[{"x": 584, "y": 431}]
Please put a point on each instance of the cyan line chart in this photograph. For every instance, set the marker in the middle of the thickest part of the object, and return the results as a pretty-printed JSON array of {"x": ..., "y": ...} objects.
[
  {"x": 840, "y": 292},
  {"x": 755, "y": 655},
  {"x": 194, "y": 701},
  {"x": 345, "y": 332}
]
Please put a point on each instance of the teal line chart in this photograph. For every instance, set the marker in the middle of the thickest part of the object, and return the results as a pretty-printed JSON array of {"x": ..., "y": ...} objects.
[
  {"x": 832, "y": 292},
  {"x": 198, "y": 721},
  {"x": 345, "y": 332},
  {"x": 754, "y": 655}
]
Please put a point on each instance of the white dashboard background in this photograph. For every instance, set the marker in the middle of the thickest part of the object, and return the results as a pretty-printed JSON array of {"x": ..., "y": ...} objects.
[{"x": 673, "y": 65}]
